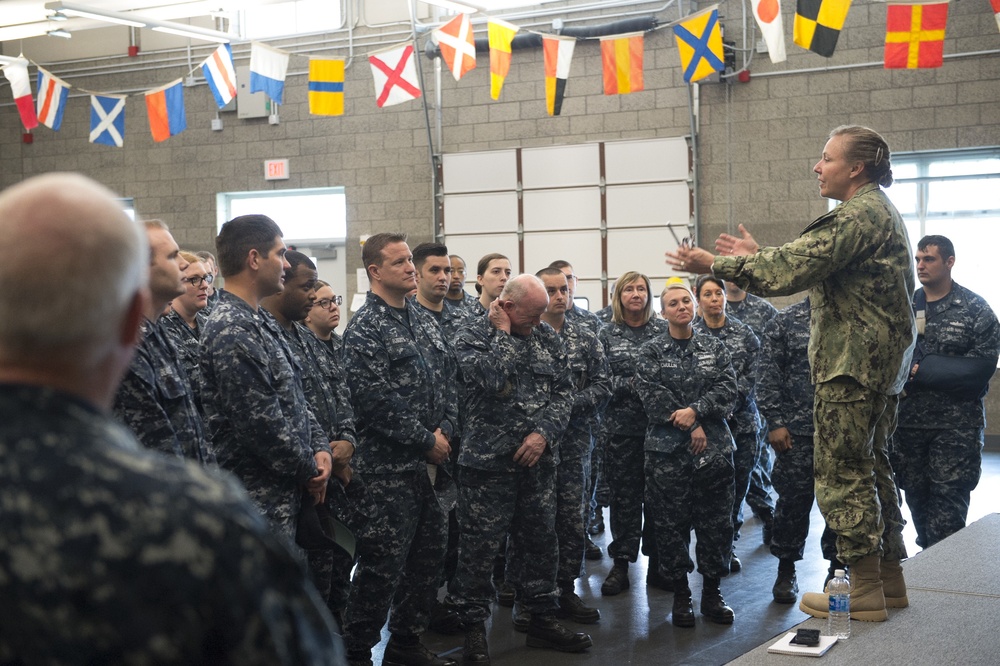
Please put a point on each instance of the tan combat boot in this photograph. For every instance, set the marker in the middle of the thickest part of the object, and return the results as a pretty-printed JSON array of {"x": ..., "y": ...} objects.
[
  {"x": 893, "y": 585},
  {"x": 867, "y": 599}
]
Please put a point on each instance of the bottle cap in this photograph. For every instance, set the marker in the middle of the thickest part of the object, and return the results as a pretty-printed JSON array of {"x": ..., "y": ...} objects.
[{"x": 839, "y": 573}]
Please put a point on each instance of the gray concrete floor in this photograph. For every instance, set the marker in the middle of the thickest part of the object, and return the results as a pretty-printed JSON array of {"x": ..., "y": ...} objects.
[{"x": 635, "y": 627}]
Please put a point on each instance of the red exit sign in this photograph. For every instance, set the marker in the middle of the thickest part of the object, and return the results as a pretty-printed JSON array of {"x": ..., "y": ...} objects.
[{"x": 275, "y": 169}]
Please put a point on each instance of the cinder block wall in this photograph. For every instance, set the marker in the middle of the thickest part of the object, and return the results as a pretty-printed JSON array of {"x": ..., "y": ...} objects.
[{"x": 757, "y": 141}]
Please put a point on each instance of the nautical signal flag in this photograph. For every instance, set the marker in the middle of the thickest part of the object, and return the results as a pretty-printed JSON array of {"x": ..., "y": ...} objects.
[
  {"x": 818, "y": 24},
  {"x": 268, "y": 67},
  {"x": 699, "y": 43},
  {"x": 500, "y": 34},
  {"x": 165, "y": 106},
  {"x": 220, "y": 74},
  {"x": 395, "y": 75},
  {"x": 621, "y": 56},
  {"x": 458, "y": 46},
  {"x": 914, "y": 35},
  {"x": 996, "y": 11},
  {"x": 558, "y": 54},
  {"x": 107, "y": 119},
  {"x": 326, "y": 87},
  {"x": 768, "y": 16},
  {"x": 20, "y": 85},
  {"x": 52, "y": 95}
]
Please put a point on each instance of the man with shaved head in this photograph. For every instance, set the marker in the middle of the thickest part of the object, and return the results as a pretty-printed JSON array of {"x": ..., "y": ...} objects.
[
  {"x": 519, "y": 399},
  {"x": 109, "y": 552}
]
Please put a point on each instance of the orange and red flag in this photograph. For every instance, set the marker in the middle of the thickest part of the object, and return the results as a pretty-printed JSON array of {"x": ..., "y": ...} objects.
[
  {"x": 622, "y": 59},
  {"x": 914, "y": 35}
]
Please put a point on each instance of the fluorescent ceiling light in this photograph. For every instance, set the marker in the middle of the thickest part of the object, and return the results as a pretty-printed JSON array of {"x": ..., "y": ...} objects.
[
  {"x": 70, "y": 9},
  {"x": 194, "y": 33},
  {"x": 59, "y": 32},
  {"x": 181, "y": 29}
]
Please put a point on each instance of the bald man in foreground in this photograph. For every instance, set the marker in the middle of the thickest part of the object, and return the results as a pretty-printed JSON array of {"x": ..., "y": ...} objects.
[{"x": 110, "y": 553}]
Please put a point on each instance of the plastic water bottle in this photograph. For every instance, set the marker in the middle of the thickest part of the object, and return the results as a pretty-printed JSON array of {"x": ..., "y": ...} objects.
[{"x": 839, "y": 622}]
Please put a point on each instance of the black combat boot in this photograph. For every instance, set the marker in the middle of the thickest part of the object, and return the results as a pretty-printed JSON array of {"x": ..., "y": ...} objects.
[
  {"x": 683, "y": 612},
  {"x": 476, "y": 651},
  {"x": 409, "y": 651},
  {"x": 571, "y": 606},
  {"x": 617, "y": 579},
  {"x": 713, "y": 606},
  {"x": 734, "y": 562},
  {"x": 544, "y": 631},
  {"x": 655, "y": 579},
  {"x": 591, "y": 550},
  {"x": 786, "y": 587}
]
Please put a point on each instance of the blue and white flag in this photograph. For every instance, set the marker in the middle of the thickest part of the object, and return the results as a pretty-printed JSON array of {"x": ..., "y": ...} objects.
[
  {"x": 268, "y": 67},
  {"x": 220, "y": 74},
  {"x": 51, "y": 102},
  {"x": 107, "y": 119}
]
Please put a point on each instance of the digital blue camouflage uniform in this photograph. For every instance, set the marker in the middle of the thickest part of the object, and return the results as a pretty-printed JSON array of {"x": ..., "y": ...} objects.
[
  {"x": 156, "y": 402},
  {"x": 605, "y": 314},
  {"x": 591, "y": 377},
  {"x": 856, "y": 263},
  {"x": 623, "y": 431},
  {"x": 937, "y": 450},
  {"x": 755, "y": 312},
  {"x": 785, "y": 399},
  {"x": 187, "y": 342},
  {"x": 261, "y": 425},
  {"x": 452, "y": 319},
  {"x": 402, "y": 377},
  {"x": 744, "y": 424},
  {"x": 113, "y": 554},
  {"x": 324, "y": 383},
  {"x": 686, "y": 491},
  {"x": 514, "y": 386},
  {"x": 469, "y": 301}
]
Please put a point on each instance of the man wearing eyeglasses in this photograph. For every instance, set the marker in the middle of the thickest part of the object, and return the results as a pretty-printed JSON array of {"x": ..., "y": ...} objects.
[{"x": 155, "y": 399}]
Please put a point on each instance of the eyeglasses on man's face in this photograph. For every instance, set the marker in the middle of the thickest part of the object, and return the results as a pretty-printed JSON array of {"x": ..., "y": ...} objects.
[
  {"x": 196, "y": 280},
  {"x": 328, "y": 303}
]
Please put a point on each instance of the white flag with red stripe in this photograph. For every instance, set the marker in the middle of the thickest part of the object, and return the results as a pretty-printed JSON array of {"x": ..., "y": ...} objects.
[
  {"x": 220, "y": 74},
  {"x": 458, "y": 47},
  {"x": 20, "y": 85},
  {"x": 768, "y": 15},
  {"x": 395, "y": 75},
  {"x": 52, "y": 95}
]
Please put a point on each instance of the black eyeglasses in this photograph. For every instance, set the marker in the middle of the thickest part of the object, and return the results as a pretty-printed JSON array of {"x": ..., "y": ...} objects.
[
  {"x": 196, "y": 280},
  {"x": 328, "y": 303}
]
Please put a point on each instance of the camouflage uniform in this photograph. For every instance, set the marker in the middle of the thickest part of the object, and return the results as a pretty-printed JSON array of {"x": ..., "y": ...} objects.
[
  {"x": 591, "y": 377},
  {"x": 469, "y": 301},
  {"x": 623, "y": 431},
  {"x": 605, "y": 314},
  {"x": 514, "y": 386},
  {"x": 402, "y": 377},
  {"x": 937, "y": 451},
  {"x": 785, "y": 398},
  {"x": 452, "y": 319},
  {"x": 261, "y": 426},
  {"x": 156, "y": 402},
  {"x": 744, "y": 424},
  {"x": 112, "y": 554},
  {"x": 578, "y": 315},
  {"x": 186, "y": 341},
  {"x": 324, "y": 383},
  {"x": 686, "y": 491},
  {"x": 755, "y": 312},
  {"x": 856, "y": 263}
]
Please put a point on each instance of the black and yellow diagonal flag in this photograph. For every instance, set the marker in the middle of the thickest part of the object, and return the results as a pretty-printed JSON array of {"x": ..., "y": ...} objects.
[{"x": 818, "y": 24}]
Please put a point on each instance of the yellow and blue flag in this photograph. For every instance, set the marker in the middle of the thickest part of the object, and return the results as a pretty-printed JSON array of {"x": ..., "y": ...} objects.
[
  {"x": 699, "y": 42},
  {"x": 326, "y": 87}
]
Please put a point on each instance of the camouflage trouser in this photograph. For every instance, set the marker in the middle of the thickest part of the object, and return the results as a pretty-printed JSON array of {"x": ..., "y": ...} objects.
[
  {"x": 937, "y": 470},
  {"x": 793, "y": 481},
  {"x": 759, "y": 494},
  {"x": 854, "y": 485},
  {"x": 624, "y": 463},
  {"x": 744, "y": 458},
  {"x": 598, "y": 491},
  {"x": 400, "y": 556},
  {"x": 491, "y": 506},
  {"x": 683, "y": 497},
  {"x": 571, "y": 512}
]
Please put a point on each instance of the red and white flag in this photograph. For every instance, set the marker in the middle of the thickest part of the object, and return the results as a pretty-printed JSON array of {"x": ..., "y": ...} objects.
[
  {"x": 20, "y": 85},
  {"x": 996, "y": 10},
  {"x": 395, "y": 75},
  {"x": 768, "y": 15},
  {"x": 458, "y": 46}
]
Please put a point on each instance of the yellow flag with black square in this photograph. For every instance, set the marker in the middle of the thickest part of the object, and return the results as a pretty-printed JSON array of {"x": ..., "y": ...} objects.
[
  {"x": 818, "y": 24},
  {"x": 326, "y": 87}
]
